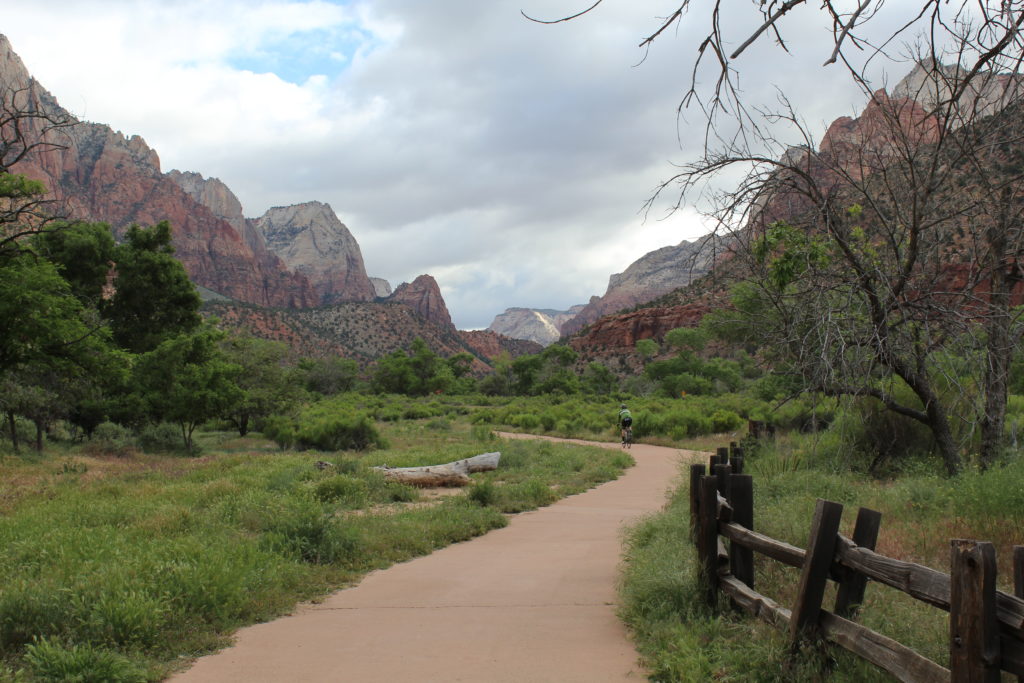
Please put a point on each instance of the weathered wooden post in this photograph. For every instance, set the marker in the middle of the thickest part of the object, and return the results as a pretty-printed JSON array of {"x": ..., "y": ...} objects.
[
  {"x": 820, "y": 550},
  {"x": 741, "y": 497},
  {"x": 722, "y": 454},
  {"x": 723, "y": 473},
  {"x": 851, "y": 589},
  {"x": 737, "y": 464},
  {"x": 1018, "y": 580},
  {"x": 696, "y": 472},
  {"x": 973, "y": 627},
  {"x": 707, "y": 542}
]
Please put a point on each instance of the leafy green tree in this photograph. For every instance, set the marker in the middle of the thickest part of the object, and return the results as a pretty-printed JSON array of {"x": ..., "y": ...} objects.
[
  {"x": 38, "y": 314},
  {"x": 330, "y": 376},
  {"x": 525, "y": 370},
  {"x": 393, "y": 374},
  {"x": 557, "y": 375},
  {"x": 687, "y": 338},
  {"x": 269, "y": 386},
  {"x": 424, "y": 364},
  {"x": 598, "y": 379},
  {"x": 187, "y": 380},
  {"x": 84, "y": 255},
  {"x": 154, "y": 298},
  {"x": 501, "y": 381},
  {"x": 647, "y": 349}
]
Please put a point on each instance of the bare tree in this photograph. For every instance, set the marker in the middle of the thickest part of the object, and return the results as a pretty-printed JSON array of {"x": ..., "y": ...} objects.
[
  {"x": 882, "y": 262},
  {"x": 29, "y": 128}
]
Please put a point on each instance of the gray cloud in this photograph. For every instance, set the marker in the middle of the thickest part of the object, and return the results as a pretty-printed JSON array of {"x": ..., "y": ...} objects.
[{"x": 507, "y": 158}]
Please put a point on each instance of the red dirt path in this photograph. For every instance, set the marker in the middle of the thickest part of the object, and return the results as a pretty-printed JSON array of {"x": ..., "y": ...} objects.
[{"x": 533, "y": 602}]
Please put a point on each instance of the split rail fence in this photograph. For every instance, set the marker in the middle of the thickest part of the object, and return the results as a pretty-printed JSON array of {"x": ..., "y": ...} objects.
[{"x": 986, "y": 626}]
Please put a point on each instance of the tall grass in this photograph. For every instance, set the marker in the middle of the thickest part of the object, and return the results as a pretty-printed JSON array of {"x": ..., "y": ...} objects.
[{"x": 114, "y": 569}]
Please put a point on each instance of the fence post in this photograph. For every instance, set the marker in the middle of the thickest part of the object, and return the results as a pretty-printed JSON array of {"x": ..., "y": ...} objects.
[
  {"x": 1018, "y": 579},
  {"x": 707, "y": 539},
  {"x": 722, "y": 455},
  {"x": 696, "y": 472},
  {"x": 1018, "y": 571},
  {"x": 820, "y": 550},
  {"x": 973, "y": 628},
  {"x": 723, "y": 473},
  {"x": 851, "y": 588},
  {"x": 737, "y": 464},
  {"x": 741, "y": 497}
]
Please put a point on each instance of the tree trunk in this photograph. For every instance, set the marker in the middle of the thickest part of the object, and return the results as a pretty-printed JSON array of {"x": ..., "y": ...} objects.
[
  {"x": 243, "y": 425},
  {"x": 14, "y": 430},
  {"x": 40, "y": 428},
  {"x": 998, "y": 342},
  {"x": 939, "y": 424}
]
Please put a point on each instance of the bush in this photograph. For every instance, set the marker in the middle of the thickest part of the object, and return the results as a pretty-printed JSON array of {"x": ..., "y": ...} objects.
[
  {"x": 110, "y": 438},
  {"x": 483, "y": 493},
  {"x": 163, "y": 436},
  {"x": 340, "y": 433},
  {"x": 51, "y": 660}
]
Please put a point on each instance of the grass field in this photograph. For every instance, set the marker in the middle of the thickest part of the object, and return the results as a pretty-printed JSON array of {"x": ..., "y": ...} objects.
[{"x": 119, "y": 568}]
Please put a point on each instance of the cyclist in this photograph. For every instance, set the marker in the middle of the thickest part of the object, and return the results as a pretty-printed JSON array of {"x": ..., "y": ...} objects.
[{"x": 625, "y": 421}]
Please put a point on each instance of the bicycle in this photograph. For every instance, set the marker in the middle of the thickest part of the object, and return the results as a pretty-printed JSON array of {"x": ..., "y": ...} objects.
[{"x": 627, "y": 437}]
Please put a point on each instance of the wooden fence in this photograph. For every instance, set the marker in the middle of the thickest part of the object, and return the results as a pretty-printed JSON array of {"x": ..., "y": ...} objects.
[{"x": 986, "y": 626}]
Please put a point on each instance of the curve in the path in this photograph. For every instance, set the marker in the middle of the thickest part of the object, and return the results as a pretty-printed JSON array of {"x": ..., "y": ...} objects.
[{"x": 532, "y": 602}]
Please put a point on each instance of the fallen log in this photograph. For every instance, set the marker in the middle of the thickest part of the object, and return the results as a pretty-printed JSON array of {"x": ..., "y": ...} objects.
[
  {"x": 485, "y": 462},
  {"x": 449, "y": 474}
]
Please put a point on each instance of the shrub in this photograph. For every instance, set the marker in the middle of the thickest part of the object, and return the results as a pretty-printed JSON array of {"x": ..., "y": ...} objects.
[
  {"x": 110, "y": 439},
  {"x": 281, "y": 430},
  {"x": 339, "y": 433},
  {"x": 483, "y": 493},
  {"x": 51, "y": 660},
  {"x": 163, "y": 436}
]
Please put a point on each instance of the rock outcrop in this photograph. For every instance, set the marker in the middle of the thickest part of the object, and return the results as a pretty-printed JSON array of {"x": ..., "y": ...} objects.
[
  {"x": 620, "y": 333},
  {"x": 542, "y": 326},
  {"x": 489, "y": 344},
  {"x": 381, "y": 287},
  {"x": 311, "y": 241},
  {"x": 423, "y": 296},
  {"x": 654, "y": 274}
]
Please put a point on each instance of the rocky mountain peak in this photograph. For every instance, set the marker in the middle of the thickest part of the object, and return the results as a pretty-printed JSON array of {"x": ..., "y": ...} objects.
[
  {"x": 311, "y": 241},
  {"x": 424, "y": 296},
  {"x": 381, "y": 287},
  {"x": 652, "y": 275},
  {"x": 13, "y": 73},
  {"x": 542, "y": 326}
]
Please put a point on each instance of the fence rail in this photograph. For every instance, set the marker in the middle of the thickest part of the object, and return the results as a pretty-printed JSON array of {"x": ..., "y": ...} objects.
[{"x": 986, "y": 625}]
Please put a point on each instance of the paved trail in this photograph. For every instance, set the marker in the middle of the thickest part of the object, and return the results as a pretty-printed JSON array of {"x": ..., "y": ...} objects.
[{"x": 533, "y": 602}]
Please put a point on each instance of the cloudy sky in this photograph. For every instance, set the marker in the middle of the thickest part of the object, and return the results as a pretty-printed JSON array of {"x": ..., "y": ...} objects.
[{"x": 508, "y": 159}]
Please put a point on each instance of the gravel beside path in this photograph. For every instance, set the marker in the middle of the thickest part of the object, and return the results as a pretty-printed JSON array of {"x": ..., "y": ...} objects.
[{"x": 533, "y": 602}]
